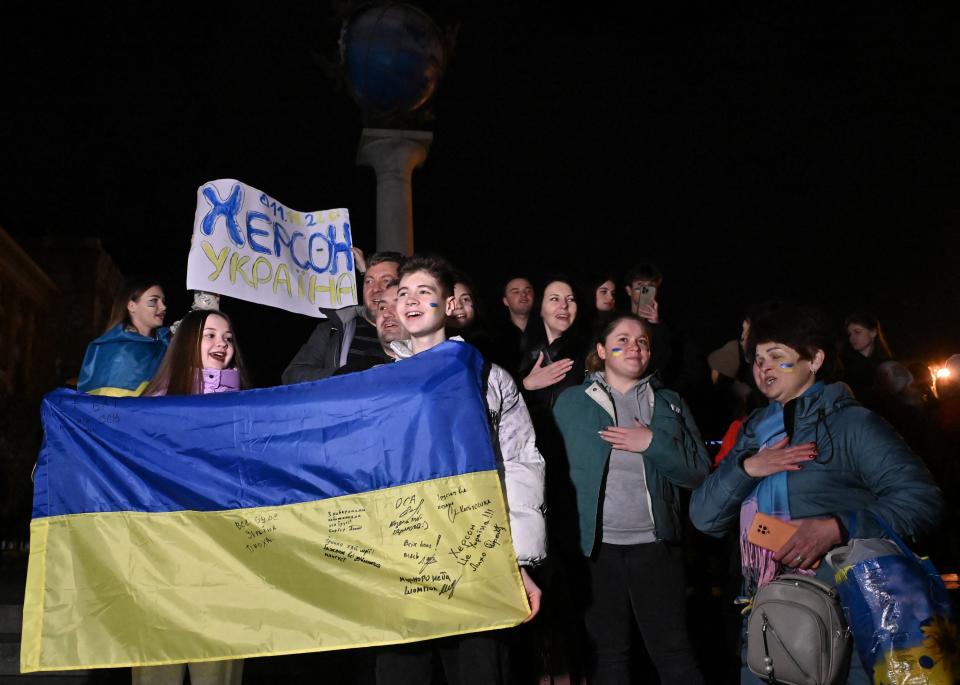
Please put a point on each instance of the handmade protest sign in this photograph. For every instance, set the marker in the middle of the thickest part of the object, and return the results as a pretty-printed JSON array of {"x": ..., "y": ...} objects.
[
  {"x": 359, "y": 510},
  {"x": 249, "y": 246}
]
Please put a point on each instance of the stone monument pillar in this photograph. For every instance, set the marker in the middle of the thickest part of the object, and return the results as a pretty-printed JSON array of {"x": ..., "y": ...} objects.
[{"x": 394, "y": 154}]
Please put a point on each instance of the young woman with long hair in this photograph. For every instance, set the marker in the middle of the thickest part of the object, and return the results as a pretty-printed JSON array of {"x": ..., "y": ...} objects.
[
  {"x": 863, "y": 351},
  {"x": 122, "y": 361},
  {"x": 203, "y": 358}
]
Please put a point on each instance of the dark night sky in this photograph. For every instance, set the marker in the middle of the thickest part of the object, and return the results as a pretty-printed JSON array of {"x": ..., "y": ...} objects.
[{"x": 751, "y": 152}]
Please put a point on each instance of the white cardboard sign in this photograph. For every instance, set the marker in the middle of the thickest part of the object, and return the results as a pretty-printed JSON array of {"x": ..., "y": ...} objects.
[{"x": 249, "y": 246}]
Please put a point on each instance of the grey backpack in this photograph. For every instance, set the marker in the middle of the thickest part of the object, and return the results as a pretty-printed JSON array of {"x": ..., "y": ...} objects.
[{"x": 796, "y": 633}]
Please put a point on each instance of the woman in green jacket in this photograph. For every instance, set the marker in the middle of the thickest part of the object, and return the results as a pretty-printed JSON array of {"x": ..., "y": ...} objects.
[{"x": 631, "y": 446}]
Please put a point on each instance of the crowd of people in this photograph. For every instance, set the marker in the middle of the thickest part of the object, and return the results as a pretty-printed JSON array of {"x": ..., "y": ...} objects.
[{"x": 606, "y": 467}]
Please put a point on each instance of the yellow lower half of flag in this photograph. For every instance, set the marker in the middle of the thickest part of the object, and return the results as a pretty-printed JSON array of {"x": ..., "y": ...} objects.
[
  {"x": 108, "y": 391},
  {"x": 396, "y": 565}
]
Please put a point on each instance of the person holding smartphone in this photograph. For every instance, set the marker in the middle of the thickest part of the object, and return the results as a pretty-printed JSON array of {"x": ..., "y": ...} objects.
[
  {"x": 676, "y": 360},
  {"x": 643, "y": 281}
]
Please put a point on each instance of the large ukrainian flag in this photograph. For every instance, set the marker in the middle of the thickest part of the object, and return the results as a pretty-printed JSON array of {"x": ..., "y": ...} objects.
[{"x": 358, "y": 510}]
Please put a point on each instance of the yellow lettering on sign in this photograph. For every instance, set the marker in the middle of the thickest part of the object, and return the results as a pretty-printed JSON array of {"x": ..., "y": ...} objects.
[
  {"x": 343, "y": 289},
  {"x": 282, "y": 277},
  {"x": 236, "y": 267},
  {"x": 218, "y": 260},
  {"x": 266, "y": 276}
]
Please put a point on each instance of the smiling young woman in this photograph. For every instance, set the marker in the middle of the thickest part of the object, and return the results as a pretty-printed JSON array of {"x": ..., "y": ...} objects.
[
  {"x": 555, "y": 359},
  {"x": 203, "y": 358},
  {"x": 552, "y": 362},
  {"x": 631, "y": 447},
  {"x": 468, "y": 319}
]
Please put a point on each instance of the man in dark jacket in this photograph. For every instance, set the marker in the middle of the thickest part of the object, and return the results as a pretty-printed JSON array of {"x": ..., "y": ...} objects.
[
  {"x": 389, "y": 329},
  {"x": 347, "y": 335},
  {"x": 512, "y": 333}
]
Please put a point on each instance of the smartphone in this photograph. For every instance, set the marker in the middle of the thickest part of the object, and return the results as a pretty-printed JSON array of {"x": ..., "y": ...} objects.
[
  {"x": 648, "y": 293},
  {"x": 770, "y": 532}
]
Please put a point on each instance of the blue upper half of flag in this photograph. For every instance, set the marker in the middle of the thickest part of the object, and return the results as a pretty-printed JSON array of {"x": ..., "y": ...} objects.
[
  {"x": 121, "y": 359},
  {"x": 415, "y": 420}
]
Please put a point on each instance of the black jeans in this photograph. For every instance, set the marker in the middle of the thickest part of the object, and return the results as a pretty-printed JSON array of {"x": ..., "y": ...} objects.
[
  {"x": 474, "y": 659},
  {"x": 642, "y": 583}
]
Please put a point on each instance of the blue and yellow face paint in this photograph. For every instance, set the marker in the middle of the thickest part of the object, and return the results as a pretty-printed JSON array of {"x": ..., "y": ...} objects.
[
  {"x": 787, "y": 366},
  {"x": 616, "y": 351}
]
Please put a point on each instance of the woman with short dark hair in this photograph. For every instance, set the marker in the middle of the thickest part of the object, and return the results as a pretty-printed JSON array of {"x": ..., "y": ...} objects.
[{"x": 814, "y": 457}]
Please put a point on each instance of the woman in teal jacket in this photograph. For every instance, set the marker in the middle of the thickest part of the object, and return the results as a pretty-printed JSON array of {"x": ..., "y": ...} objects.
[
  {"x": 813, "y": 456},
  {"x": 631, "y": 446}
]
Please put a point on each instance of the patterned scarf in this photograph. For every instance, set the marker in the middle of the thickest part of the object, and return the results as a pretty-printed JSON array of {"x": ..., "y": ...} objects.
[{"x": 769, "y": 497}]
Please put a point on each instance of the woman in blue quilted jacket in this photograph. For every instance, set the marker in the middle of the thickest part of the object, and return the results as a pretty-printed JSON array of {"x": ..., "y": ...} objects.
[{"x": 813, "y": 457}]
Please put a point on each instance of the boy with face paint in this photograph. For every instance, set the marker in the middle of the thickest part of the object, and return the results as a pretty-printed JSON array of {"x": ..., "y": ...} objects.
[{"x": 425, "y": 299}]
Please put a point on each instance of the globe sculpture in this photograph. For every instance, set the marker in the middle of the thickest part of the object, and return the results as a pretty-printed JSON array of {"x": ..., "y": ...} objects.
[{"x": 393, "y": 58}]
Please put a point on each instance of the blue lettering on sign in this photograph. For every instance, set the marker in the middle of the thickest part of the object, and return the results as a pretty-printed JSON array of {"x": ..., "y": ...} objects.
[
  {"x": 338, "y": 248},
  {"x": 228, "y": 209},
  {"x": 331, "y": 248},
  {"x": 252, "y": 231},
  {"x": 313, "y": 251},
  {"x": 323, "y": 248},
  {"x": 281, "y": 238}
]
